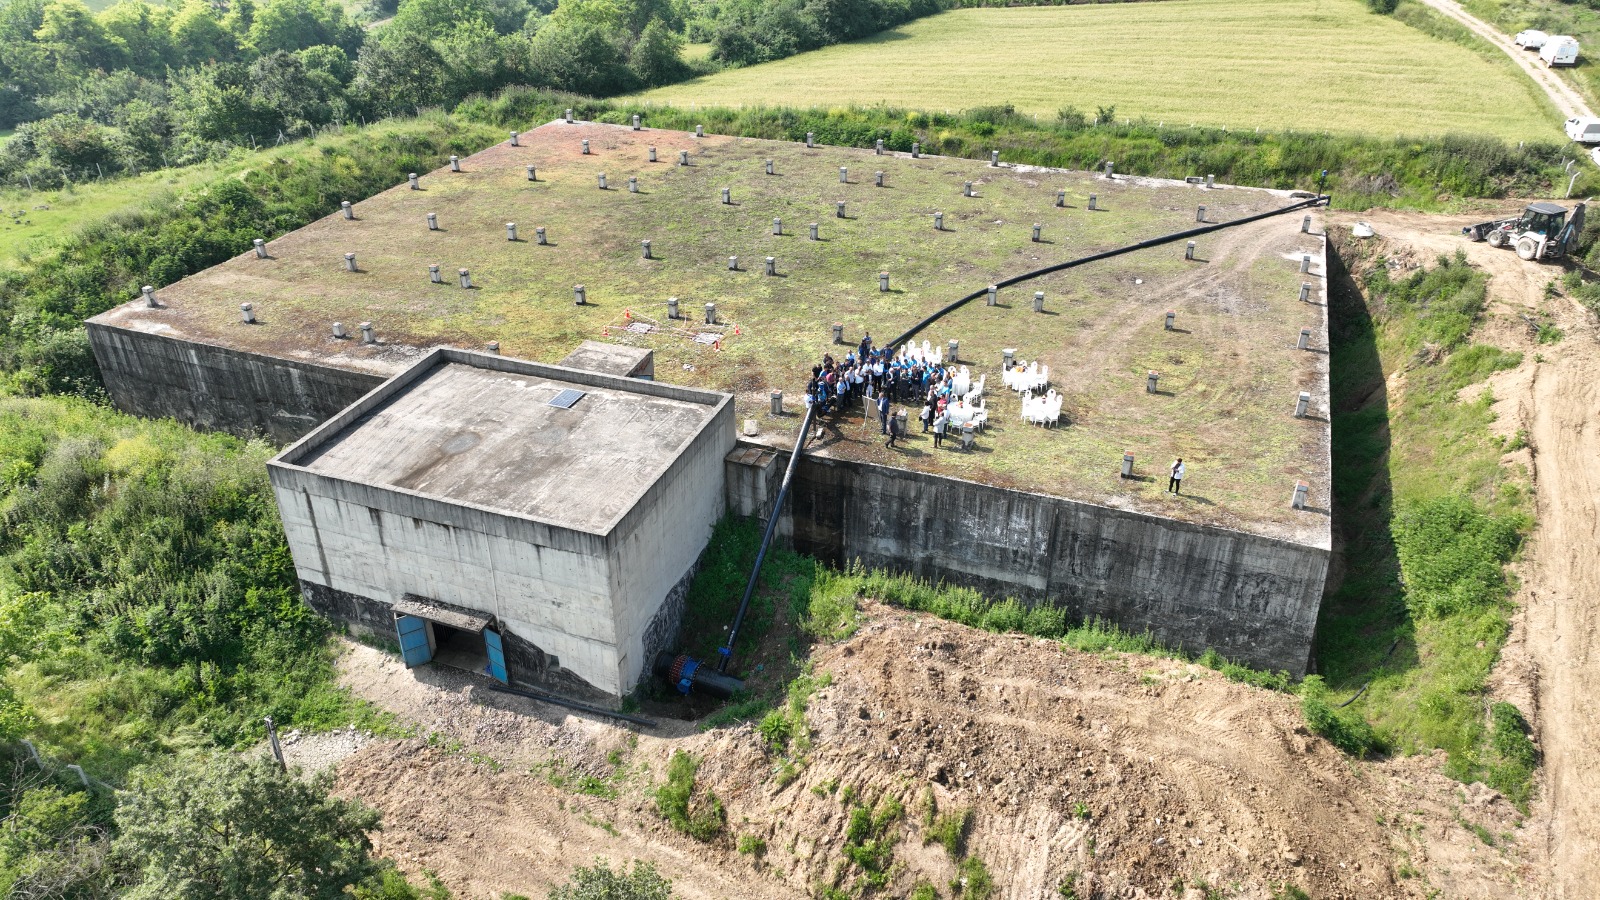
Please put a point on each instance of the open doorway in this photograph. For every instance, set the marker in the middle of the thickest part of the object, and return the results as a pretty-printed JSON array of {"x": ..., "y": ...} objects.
[
  {"x": 459, "y": 649},
  {"x": 430, "y": 631}
]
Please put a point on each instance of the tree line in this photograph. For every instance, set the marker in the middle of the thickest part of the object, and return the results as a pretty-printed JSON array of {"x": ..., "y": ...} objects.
[{"x": 141, "y": 86}]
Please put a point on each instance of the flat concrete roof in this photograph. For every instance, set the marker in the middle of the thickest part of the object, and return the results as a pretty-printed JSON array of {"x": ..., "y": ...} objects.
[
  {"x": 612, "y": 359},
  {"x": 1229, "y": 368},
  {"x": 491, "y": 439}
]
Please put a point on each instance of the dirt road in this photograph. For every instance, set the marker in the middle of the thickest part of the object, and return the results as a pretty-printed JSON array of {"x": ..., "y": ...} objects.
[
  {"x": 1549, "y": 667},
  {"x": 1561, "y": 94},
  {"x": 1561, "y": 589}
]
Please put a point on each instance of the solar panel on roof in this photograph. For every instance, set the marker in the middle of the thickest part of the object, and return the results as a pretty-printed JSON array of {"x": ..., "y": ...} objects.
[{"x": 566, "y": 398}]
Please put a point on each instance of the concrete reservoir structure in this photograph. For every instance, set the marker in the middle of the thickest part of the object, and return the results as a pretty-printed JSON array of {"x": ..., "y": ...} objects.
[
  {"x": 432, "y": 494},
  {"x": 539, "y": 523}
]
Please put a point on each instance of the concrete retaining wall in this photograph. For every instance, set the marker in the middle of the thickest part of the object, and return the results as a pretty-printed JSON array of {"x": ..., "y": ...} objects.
[
  {"x": 1254, "y": 599},
  {"x": 220, "y": 389}
]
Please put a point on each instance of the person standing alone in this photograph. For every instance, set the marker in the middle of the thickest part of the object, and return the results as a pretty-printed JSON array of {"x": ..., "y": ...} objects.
[
  {"x": 894, "y": 430},
  {"x": 1175, "y": 483}
]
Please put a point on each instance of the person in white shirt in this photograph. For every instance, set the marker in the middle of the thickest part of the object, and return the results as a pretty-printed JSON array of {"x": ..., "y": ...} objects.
[{"x": 1175, "y": 483}]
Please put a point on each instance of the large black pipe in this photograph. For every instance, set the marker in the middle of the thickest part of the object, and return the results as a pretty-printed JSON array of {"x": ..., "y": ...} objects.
[
  {"x": 725, "y": 652},
  {"x": 686, "y": 672},
  {"x": 572, "y": 704},
  {"x": 1104, "y": 254}
]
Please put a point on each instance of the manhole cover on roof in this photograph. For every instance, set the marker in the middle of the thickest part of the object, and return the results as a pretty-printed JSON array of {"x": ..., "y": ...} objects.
[{"x": 566, "y": 398}]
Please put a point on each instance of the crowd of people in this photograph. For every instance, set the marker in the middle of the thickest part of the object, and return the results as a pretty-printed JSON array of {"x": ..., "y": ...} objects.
[
  {"x": 909, "y": 376},
  {"x": 886, "y": 377}
]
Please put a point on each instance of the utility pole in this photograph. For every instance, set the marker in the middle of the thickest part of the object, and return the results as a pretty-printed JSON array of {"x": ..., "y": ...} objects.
[{"x": 272, "y": 737}]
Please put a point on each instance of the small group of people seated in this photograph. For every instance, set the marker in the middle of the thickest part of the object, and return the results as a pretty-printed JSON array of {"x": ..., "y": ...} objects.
[{"x": 915, "y": 373}]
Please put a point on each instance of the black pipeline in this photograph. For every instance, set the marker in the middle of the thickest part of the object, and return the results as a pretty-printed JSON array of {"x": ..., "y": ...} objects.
[
  {"x": 1105, "y": 254},
  {"x": 685, "y": 673}
]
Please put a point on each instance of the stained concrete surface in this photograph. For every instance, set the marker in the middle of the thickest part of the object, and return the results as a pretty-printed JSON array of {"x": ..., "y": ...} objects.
[{"x": 492, "y": 439}]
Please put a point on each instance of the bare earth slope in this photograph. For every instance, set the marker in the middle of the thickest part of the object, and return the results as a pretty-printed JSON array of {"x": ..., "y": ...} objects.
[
  {"x": 1549, "y": 667},
  {"x": 1560, "y": 592},
  {"x": 1180, "y": 775}
]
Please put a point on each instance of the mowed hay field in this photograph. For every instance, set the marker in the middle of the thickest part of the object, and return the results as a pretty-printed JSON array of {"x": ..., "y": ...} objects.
[{"x": 1323, "y": 65}]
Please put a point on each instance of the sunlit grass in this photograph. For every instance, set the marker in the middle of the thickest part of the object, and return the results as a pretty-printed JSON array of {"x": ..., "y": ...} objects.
[{"x": 1328, "y": 65}]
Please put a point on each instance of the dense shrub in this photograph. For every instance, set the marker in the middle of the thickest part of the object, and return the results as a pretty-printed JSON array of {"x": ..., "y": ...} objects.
[
  {"x": 1346, "y": 730},
  {"x": 1513, "y": 755},
  {"x": 699, "y": 814},
  {"x": 1453, "y": 554},
  {"x": 601, "y": 882}
]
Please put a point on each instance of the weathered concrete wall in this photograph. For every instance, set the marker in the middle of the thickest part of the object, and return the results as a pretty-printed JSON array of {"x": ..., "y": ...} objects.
[
  {"x": 667, "y": 529},
  {"x": 374, "y": 543},
  {"x": 1254, "y": 599},
  {"x": 220, "y": 389},
  {"x": 752, "y": 476},
  {"x": 601, "y": 604}
]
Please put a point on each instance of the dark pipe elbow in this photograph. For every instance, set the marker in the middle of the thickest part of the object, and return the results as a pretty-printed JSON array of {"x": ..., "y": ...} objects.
[{"x": 688, "y": 674}]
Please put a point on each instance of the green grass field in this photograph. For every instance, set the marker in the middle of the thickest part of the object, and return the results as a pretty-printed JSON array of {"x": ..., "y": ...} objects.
[
  {"x": 1327, "y": 65},
  {"x": 45, "y": 216}
]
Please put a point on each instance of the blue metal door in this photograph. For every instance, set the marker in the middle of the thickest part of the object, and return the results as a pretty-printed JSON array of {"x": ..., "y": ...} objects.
[
  {"x": 497, "y": 655},
  {"x": 414, "y": 647}
]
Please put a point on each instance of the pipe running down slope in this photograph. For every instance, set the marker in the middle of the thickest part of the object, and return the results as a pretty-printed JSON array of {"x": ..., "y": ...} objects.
[{"x": 725, "y": 652}]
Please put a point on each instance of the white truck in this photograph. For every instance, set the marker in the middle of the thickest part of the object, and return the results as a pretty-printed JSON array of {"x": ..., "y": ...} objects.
[
  {"x": 1584, "y": 130},
  {"x": 1532, "y": 39},
  {"x": 1559, "y": 50}
]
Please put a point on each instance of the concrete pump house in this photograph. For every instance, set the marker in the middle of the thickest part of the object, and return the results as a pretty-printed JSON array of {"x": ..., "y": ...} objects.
[{"x": 538, "y": 523}]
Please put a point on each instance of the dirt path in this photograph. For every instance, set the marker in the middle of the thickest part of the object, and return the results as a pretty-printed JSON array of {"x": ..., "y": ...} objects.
[
  {"x": 1561, "y": 94},
  {"x": 1561, "y": 588},
  {"x": 1549, "y": 665}
]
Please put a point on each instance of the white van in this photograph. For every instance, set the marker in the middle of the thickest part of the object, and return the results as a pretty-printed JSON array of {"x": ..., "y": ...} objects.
[
  {"x": 1559, "y": 50},
  {"x": 1584, "y": 130},
  {"x": 1532, "y": 39}
]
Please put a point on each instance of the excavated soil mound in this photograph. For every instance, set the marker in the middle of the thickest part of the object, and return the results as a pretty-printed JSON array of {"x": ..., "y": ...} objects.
[{"x": 1117, "y": 774}]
